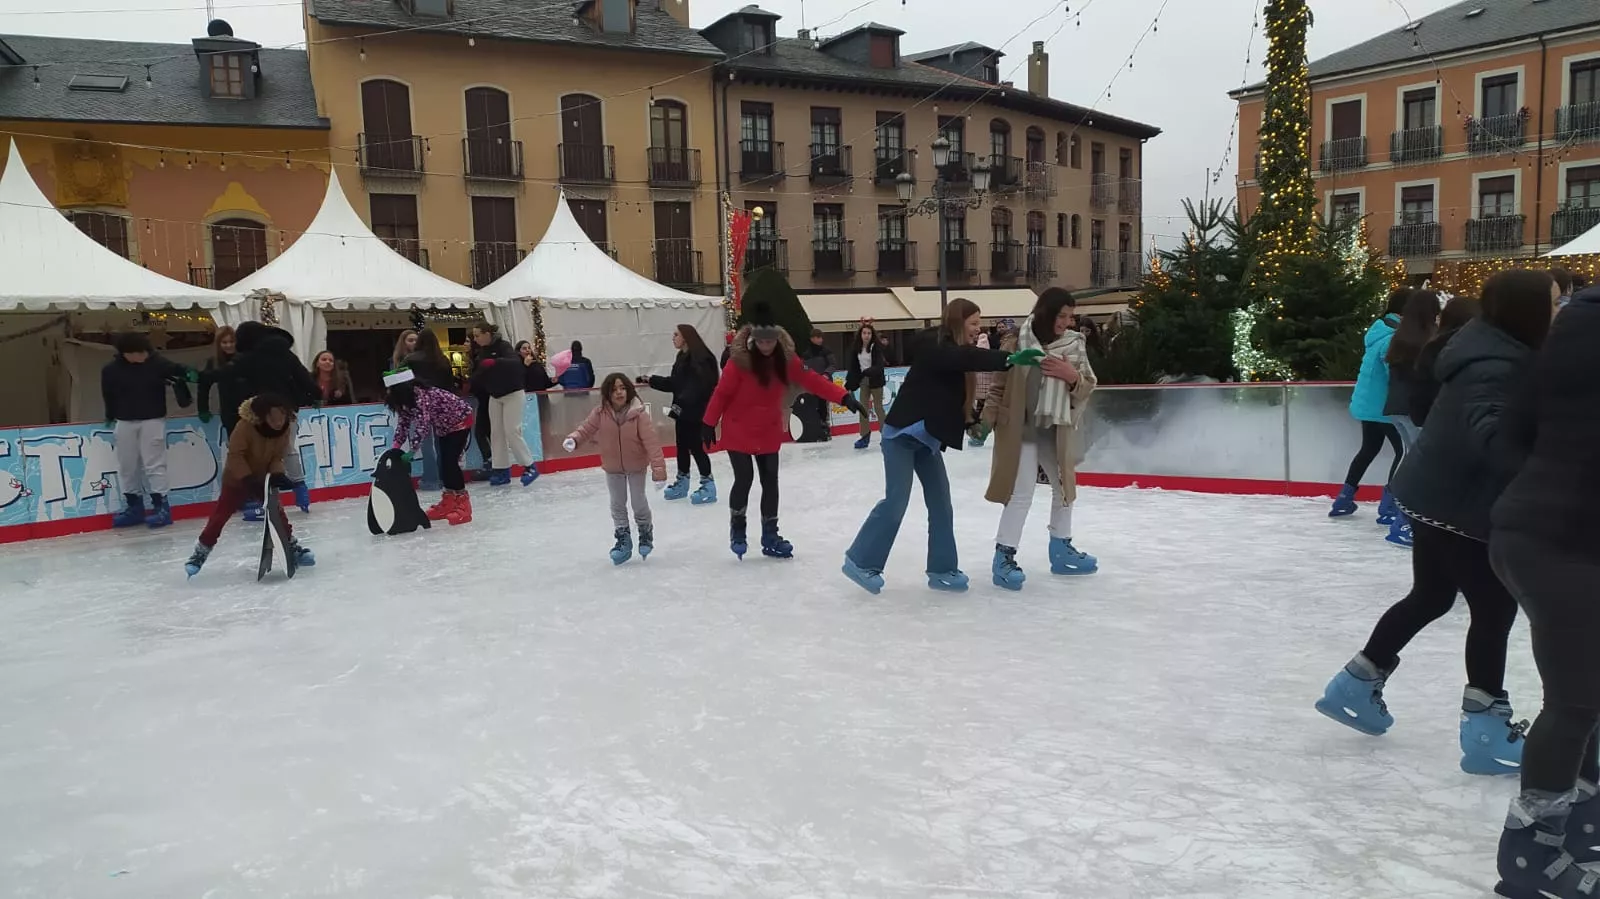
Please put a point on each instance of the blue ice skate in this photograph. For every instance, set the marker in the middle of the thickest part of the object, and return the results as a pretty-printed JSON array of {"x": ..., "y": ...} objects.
[
  {"x": 948, "y": 581},
  {"x": 302, "y": 496},
  {"x": 647, "y": 540},
  {"x": 870, "y": 581},
  {"x": 1345, "y": 503},
  {"x": 622, "y": 550},
  {"x": 253, "y": 512},
  {"x": 529, "y": 475},
  {"x": 773, "y": 545},
  {"x": 499, "y": 477},
  {"x": 1354, "y": 697},
  {"x": 1387, "y": 510},
  {"x": 678, "y": 489},
  {"x": 1007, "y": 573},
  {"x": 132, "y": 512},
  {"x": 736, "y": 539},
  {"x": 197, "y": 559},
  {"x": 1583, "y": 828},
  {"x": 1490, "y": 743},
  {"x": 1068, "y": 559},
  {"x": 864, "y": 442},
  {"x": 1532, "y": 861},
  {"x": 302, "y": 556},
  {"x": 1400, "y": 532},
  {"x": 706, "y": 493},
  {"x": 160, "y": 511}
]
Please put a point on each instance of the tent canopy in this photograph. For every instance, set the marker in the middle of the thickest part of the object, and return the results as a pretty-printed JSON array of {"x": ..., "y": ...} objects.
[
  {"x": 48, "y": 263},
  {"x": 339, "y": 263},
  {"x": 1585, "y": 244},
  {"x": 993, "y": 302},
  {"x": 567, "y": 269}
]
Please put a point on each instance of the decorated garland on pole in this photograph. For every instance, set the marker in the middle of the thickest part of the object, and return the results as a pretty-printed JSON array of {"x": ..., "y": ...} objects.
[
  {"x": 739, "y": 222},
  {"x": 538, "y": 330}
]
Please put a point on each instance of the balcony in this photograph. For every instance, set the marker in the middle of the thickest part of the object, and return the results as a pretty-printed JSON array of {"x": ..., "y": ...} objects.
[
  {"x": 1572, "y": 222},
  {"x": 491, "y": 260},
  {"x": 607, "y": 248},
  {"x": 390, "y": 155},
  {"x": 1102, "y": 268},
  {"x": 1007, "y": 260},
  {"x": 760, "y": 160},
  {"x": 673, "y": 167},
  {"x": 1041, "y": 265},
  {"x": 897, "y": 257},
  {"x": 491, "y": 159},
  {"x": 833, "y": 258},
  {"x": 1005, "y": 173},
  {"x": 677, "y": 264},
  {"x": 1496, "y": 134},
  {"x": 1416, "y": 145},
  {"x": 1578, "y": 123},
  {"x": 410, "y": 249},
  {"x": 1130, "y": 196},
  {"x": 830, "y": 163},
  {"x": 1040, "y": 181},
  {"x": 958, "y": 171},
  {"x": 888, "y": 163},
  {"x": 1415, "y": 239},
  {"x": 960, "y": 258},
  {"x": 202, "y": 276},
  {"x": 1130, "y": 269},
  {"x": 1102, "y": 191},
  {"x": 587, "y": 163},
  {"x": 1343, "y": 154},
  {"x": 1495, "y": 234},
  {"x": 767, "y": 252}
]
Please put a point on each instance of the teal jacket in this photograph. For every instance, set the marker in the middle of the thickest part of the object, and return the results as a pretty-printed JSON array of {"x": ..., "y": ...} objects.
[{"x": 1372, "y": 386}]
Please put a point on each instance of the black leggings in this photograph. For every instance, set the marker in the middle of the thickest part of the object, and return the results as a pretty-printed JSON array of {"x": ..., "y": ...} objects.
[
  {"x": 1559, "y": 589},
  {"x": 690, "y": 442},
  {"x": 483, "y": 427},
  {"x": 451, "y": 446},
  {"x": 1373, "y": 433},
  {"x": 1443, "y": 563},
  {"x": 745, "y": 467}
]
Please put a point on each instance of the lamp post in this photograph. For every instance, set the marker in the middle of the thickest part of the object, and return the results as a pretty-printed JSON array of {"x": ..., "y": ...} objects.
[{"x": 946, "y": 198}]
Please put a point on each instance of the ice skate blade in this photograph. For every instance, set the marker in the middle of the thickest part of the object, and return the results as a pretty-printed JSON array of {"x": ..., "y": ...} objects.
[
  {"x": 774, "y": 554},
  {"x": 1337, "y": 713},
  {"x": 1074, "y": 572},
  {"x": 1495, "y": 769},
  {"x": 1004, "y": 584}
]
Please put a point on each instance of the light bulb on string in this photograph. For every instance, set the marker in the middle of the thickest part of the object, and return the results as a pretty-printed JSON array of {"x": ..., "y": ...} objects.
[
  {"x": 146, "y": 76},
  {"x": 361, "y": 49}
]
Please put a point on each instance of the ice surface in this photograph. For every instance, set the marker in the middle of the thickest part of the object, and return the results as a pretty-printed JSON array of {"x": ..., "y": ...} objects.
[{"x": 496, "y": 711}]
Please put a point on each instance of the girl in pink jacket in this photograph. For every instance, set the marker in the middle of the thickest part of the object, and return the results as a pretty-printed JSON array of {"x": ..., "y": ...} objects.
[
  {"x": 424, "y": 413},
  {"x": 626, "y": 436}
]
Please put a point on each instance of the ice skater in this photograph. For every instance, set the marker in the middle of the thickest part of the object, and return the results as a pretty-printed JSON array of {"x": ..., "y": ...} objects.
[
  {"x": 499, "y": 375},
  {"x": 256, "y": 448},
  {"x": 626, "y": 434},
  {"x": 693, "y": 378},
  {"x": 929, "y": 416},
  {"x": 1366, "y": 406},
  {"x": 133, "y": 386},
  {"x": 425, "y": 413},
  {"x": 750, "y": 404},
  {"x": 867, "y": 373},
  {"x": 1463, "y": 460},
  {"x": 1034, "y": 413},
  {"x": 265, "y": 363}
]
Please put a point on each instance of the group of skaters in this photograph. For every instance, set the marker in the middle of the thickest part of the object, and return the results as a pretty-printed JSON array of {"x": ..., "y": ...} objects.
[{"x": 1493, "y": 408}]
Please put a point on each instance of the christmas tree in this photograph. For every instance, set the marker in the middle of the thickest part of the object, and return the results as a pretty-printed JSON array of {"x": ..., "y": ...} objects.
[
  {"x": 1324, "y": 301},
  {"x": 1288, "y": 202},
  {"x": 767, "y": 286},
  {"x": 1184, "y": 309}
]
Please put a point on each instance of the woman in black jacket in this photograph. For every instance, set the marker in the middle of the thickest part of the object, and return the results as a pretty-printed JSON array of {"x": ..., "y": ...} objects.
[
  {"x": 266, "y": 363},
  {"x": 1424, "y": 387},
  {"x": 693, "y": 378},
  {"x": 1545, "y": 545},
  {"x": 535, "y": 377},
  {"x": 1446, "y": 486},
  {"x": 866, "y": 374},
  {"x": 497, "y": 376},
  {"x": 224, "y": 348},
  {"x": 931, "y": 414}
]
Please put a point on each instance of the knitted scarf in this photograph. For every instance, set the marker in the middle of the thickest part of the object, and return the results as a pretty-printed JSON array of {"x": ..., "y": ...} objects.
[{"x": 1055, "y": 397}]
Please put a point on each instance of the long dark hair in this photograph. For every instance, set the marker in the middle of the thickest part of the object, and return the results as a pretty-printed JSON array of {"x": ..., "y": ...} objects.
[
  {"x": 402, "y": 397},
  {"x": 1045, "y": 310},
  {"x": 1418, "y": 322},
  {"x": 1397, "y": 300},
  {"x": 1518, "y": 303},
  {"x": 858, "y": 344},
  {"x": 766, "y": 367},
  {"x": 606, "y": 387},
  {"x": 428, "y": 346},
  {"x": 1456, "y": 313},
  {"x": 694, "y": 344}
]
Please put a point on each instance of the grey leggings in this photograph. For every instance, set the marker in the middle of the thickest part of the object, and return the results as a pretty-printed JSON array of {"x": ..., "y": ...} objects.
[{"x": 623, "y": 486}]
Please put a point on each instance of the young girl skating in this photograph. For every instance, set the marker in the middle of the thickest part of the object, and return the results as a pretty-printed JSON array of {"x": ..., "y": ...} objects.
[
  {"x": 424, "y": 413},
  {"x": 626, "y": 435}
]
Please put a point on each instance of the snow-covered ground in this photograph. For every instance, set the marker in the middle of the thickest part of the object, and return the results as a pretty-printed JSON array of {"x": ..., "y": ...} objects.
[{"x": 496, "y": 711}]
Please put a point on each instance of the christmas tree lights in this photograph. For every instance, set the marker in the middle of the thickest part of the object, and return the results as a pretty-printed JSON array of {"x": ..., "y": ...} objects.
[{"x": 1288, "y": 201}]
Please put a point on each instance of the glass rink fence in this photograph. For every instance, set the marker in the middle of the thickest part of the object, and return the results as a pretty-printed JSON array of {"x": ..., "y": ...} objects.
[{"x": 1278, "y": 438}]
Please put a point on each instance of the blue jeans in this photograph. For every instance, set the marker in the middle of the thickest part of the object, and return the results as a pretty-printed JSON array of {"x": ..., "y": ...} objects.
[{"x": 902, "y": 457}]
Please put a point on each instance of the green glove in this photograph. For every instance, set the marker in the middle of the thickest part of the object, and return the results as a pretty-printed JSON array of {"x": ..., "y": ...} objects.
[
  {"x": 205, "y": 418},
  {"x": 1025, "y": 357},
  {"x": 192, "y": 376},
  {"x": 110, "y": 424},
  {"x": 407, "y": 458}
]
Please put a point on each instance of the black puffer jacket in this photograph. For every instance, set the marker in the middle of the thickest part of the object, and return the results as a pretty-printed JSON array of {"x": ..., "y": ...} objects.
[
  {"x": 266, "y": 363},
  {"x": 228, "y": 397},
  {"x": 138, "y": 391},
  {"x": 691, "y": 383},
  {"x": 935, "y": 389},
  {"x": 1423, "y": 388},
  {"x": 497, "y": 371},
  {"x": 1556, "y": 496},
  {"x": 1464, "y": 458},
  {"x": 427, "y": 373}
]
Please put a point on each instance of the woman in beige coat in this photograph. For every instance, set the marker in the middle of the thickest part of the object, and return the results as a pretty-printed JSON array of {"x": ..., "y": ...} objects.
[{"x": 1035, "y": 422}]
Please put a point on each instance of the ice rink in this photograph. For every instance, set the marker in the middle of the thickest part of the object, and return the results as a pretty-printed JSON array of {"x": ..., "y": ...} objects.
[{"x": 496, "y": 711}]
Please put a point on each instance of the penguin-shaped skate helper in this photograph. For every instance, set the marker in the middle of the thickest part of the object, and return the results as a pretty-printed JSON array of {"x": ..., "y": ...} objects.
[{"x": 392, "y": 506}]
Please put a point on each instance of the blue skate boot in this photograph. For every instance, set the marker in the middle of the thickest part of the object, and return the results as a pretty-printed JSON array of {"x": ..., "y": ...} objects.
[
  {"x": 736, "y": 540},
  {"x": 160, "y": 511},
  {"x": 706, "y": 493},
  {"x": 870, "y": 581},
  {"x": 1532, "y": 861},
  {"x": 864, "y": 442},
  {"x": 302, "y": 496},
  {"x": 197, "y": 559},
  {"x": 132, "y": 511},
  {"x": 1387, "y": 510},
  {"x": 529, "y": 475},
  {"x": 1068, "y": 559},
  {"x": 1007, "y": 573},
  {"x": 302, "y": 555},
  {"x": 1583, "y": 828},
  {"x": 948, "y": 581},
  {"x": 647, "y": 540},
  {"x": 1345, "y": 503},
  {"x": 253, "y": 512},
  {"x": 1400, "y": 533},
  {"x": 622, "y": 550},
  {"x": 1354, "y": 697},
  {"x": 1490, "y": 743},
  {"x": 499, "y": 477},
  {"x": 773, "y": 546},
  {"x": 678, "y": 489}
]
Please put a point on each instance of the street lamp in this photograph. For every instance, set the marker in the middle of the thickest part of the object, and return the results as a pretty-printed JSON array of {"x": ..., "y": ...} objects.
[{"x": 946, "y": 199}]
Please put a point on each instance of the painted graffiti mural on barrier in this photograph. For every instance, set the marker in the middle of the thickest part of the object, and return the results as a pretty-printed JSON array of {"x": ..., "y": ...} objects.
[{"x": 892, "y": 379}]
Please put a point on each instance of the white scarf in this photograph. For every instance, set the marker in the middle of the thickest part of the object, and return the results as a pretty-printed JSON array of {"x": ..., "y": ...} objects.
[{"x": 1055, "y": 397}]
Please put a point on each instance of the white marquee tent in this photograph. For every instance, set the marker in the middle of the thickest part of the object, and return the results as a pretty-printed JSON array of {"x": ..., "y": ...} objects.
[
  {"x": 338, "y": 263},
  {"x": 624, "y": 320},
  {"x": 1585, "y": 244}
]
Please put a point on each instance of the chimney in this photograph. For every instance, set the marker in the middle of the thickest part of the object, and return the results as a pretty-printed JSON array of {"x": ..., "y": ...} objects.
[
  {"x": 678, "y": 9},
  {"x": 1039, "y": 71}
]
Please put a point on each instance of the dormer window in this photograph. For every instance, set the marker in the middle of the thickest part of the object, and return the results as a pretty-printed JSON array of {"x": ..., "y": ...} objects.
[
  {"x": 882, "y": 51},
  {"x": 990, "y": 71},
  {"x": 755, "y": 36},
  {"x": 228, "y": 74}
]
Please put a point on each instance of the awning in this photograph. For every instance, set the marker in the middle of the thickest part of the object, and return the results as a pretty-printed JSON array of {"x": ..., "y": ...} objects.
[
  {"x": 848, "y": 308},
  {"x": 993, "y": 302},
  {"x": 1100, "y": 303}
]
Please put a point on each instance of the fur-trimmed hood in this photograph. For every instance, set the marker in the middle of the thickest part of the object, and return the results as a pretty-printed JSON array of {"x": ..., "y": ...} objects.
[
  {"x": 739, "y": 351},
  {"x": 247, "y": 415}
]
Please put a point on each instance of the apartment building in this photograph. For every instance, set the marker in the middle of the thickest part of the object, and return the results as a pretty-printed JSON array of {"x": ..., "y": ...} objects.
[
  {"x": 819, "y": 132},
  {"x": 1472, "y": 132},
  {"x": 466, "y": 115}
]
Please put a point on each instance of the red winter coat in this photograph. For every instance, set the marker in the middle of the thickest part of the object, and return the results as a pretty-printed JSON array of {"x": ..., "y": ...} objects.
[{"x": 755, "y": 417}]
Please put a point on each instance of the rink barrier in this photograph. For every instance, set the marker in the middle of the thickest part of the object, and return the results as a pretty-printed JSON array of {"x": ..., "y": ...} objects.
[{"x": 1282, "y": 439}]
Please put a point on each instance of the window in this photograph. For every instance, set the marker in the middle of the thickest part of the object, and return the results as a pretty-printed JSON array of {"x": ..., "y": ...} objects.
[
  {"x": 881, "y": 51},
  {"x": 494, "y": 235},
  {"x": 755, "y": 124},
  {"x": 1076, "y": 152},
  {"x": 953, "y": 228},
  {"x": 1583, "y": 187},
  {"x": 1061, "y": 229},
  {"x": 1345, "y": 120},
  {"x": 989, "y": 71},
  {"x": 1420, "y": 109},
  {"x": 238, "y": 249},
  {"x": 763, "y": 247},
  {"x": 386, "y": 140},
  {"x": 1077, "y": 227},
  {"x": 891, "y": 226},
  {"x": 490, "y": 153},
  {"x": 394, "y": 219},
  {"x": 999, "y": 139},
  {"x": 227, "y": 74},
  {"x": 1097, "y": 236},
  {"x": 825, "y": 125},
  {"x": 1125, "y": 238},
  {"x": 1035, "y": 229},
  {"x": 1097, "y": 159},
  {"x": 1416, "y": 205},
  {"x": 669, "y": 125},
  {"x": 1499, "y": 96},
  {"x": 755, "y": 37},
  {"x": 1125, "y": 164},
  {"x": 1346, "y": 207},
  {"x": 1585, "y": 82},
  {"x": 954, "y": 130},
  {"x": 1000, "y": 225},
  {"x": 1035, "y": 146},
  {"x": 1061, "y": 148},
  {"x": 676, "y": 261},
  {"x": 1497, "y": 196},
  {"x": 891, "y": 132},
  {"x": 591, "y": 216},
  {"x": 108, "y": 229},
  {"x": 827, "y": 224}
]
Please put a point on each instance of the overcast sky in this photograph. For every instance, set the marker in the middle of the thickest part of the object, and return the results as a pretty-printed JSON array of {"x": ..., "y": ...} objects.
[{"x": 1179, "y": 81}]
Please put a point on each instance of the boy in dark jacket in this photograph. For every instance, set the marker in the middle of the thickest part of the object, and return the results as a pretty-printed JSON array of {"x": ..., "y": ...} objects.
[
  {"x": 134, "y": 387},
  {"x": 266, "y": 363}
]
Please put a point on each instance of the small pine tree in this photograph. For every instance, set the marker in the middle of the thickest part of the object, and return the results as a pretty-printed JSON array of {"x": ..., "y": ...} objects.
[
  {"x": 1325, "y": 300},
  {"x": 1184, "y": 309},
  {"x": 768, "y": 286}
]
